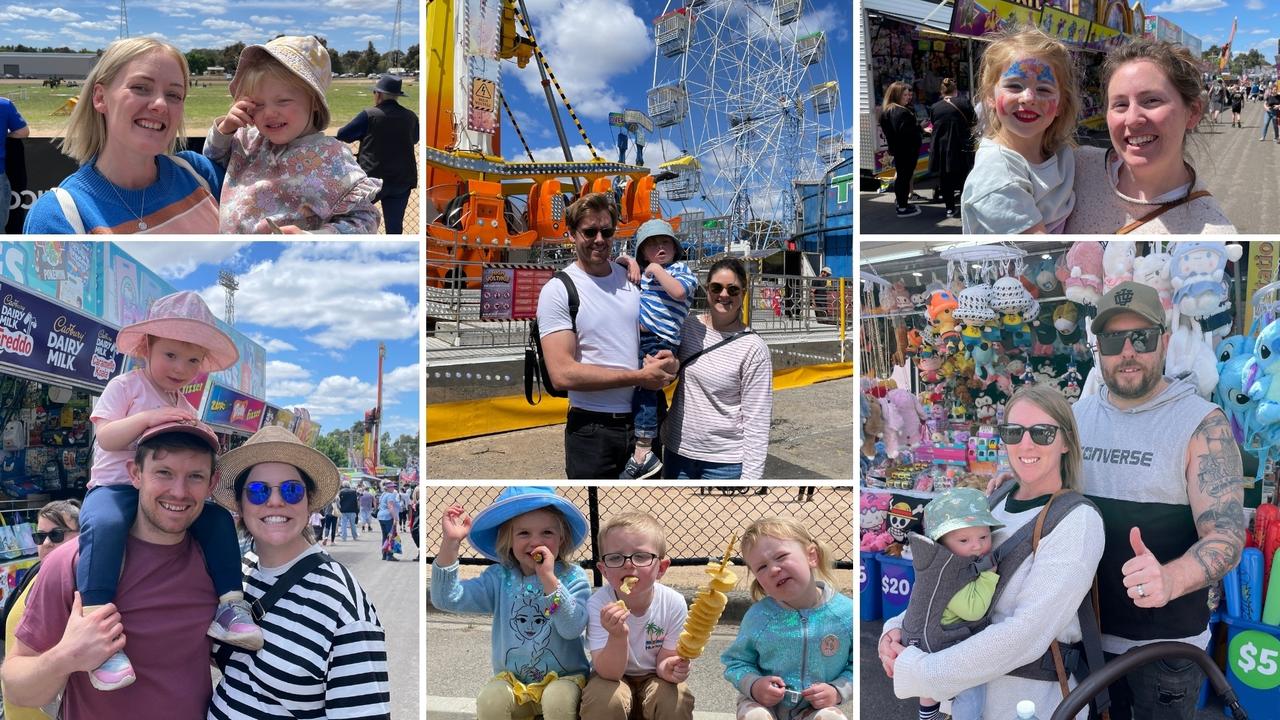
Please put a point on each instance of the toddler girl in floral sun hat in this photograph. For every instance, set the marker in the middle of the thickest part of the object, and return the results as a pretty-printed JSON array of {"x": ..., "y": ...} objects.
[{"x": 283, "y": 173}]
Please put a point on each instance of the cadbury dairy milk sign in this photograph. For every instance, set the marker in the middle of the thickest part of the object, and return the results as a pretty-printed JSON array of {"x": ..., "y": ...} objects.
[{"x": 41, "y": 335}]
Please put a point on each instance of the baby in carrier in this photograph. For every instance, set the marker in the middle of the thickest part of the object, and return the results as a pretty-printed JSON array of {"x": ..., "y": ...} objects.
[{"x": 960, "y": 521}]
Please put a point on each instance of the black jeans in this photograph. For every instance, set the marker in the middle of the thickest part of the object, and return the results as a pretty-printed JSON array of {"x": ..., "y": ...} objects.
[
  {"x": 1162, "y": 690},
  {"x": 596, "y": 445},
  {"x": 905, "y": 165},
  {"x": 949, "y": 186}
]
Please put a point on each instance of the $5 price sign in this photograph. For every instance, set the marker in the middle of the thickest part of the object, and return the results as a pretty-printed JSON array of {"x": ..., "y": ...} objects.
[{"x": 1255, "y": 659}]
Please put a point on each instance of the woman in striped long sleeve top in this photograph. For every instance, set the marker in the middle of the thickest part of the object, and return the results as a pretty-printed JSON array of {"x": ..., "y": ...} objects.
[
  {"x": 718, "y": 427},
  {"x": 325, "y": 651}
]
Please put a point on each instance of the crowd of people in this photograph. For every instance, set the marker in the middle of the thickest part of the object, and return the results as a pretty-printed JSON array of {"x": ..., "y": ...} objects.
[
  {"x": 139, "y": 589},
  {"x": 1010, "y": 160},
  {"x": 267, "y": 165}
]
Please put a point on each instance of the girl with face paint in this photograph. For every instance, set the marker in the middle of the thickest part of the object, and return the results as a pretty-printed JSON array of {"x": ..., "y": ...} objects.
[{"x": 1023, "y": 172}]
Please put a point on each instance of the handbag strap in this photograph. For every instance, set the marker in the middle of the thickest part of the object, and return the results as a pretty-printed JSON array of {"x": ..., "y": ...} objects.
[
  {"x": 689, "y": 360},
  {"x": 1164, "y": 208},
  {"x": 1055, "y": 649},
  {"x": 263, "y": 605}
]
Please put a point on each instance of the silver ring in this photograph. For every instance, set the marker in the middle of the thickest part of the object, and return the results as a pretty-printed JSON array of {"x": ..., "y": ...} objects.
[{"x": 1141, "y": 592}]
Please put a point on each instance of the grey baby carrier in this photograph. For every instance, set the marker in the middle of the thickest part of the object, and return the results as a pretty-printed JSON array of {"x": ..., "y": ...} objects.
[{"x": 940, "y": 574}]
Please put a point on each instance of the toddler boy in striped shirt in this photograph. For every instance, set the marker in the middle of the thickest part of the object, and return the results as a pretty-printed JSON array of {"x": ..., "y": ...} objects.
[{"x": 666, "y": 292}]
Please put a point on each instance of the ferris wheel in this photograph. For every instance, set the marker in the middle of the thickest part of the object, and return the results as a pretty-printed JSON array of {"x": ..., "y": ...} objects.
[{"x": 745, "y": 97}]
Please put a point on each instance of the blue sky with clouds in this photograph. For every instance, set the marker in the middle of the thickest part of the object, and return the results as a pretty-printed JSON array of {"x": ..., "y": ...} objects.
[
  {"x": 602, "y": 52},
  {"x": 320, "y": 310},
  {"x": 1210, "y": 20},
  {"x": 347, "y": 24}
]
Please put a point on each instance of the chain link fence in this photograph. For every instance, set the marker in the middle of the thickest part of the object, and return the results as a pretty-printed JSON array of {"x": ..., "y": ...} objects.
[{"x": 699, "y": 521}]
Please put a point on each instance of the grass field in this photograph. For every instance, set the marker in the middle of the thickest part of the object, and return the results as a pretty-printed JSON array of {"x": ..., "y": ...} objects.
[{"x": 205, "y": 102}]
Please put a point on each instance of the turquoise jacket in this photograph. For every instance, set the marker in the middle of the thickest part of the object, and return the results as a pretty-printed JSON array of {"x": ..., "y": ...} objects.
[
  {"x": 803, "y": 647},
  {"x": 533, "y": 633}
]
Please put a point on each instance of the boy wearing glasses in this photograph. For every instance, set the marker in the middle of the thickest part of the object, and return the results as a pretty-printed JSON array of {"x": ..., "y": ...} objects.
[
  {"x": 666, "y": 292},
  {"x": 1162, "y": 466},
  {"x": 632, "y": 635}
]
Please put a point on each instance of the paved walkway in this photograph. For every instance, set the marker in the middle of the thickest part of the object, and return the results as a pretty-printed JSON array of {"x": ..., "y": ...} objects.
[{"x": 1241, "y": 172}]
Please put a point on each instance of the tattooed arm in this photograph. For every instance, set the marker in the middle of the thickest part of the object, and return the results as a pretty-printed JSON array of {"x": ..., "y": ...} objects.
[{"x": 1215, "y": 489}]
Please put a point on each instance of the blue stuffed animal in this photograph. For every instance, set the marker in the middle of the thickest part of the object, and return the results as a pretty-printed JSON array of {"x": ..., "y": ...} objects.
[
  {"x": 1233, "y": 346},
  {"x": 1230, "y": 395},
  {"x": 1260, "y": 374}
]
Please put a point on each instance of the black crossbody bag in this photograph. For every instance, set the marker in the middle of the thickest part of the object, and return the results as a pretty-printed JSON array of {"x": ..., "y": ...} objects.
[{"x": 263, "y": 605}]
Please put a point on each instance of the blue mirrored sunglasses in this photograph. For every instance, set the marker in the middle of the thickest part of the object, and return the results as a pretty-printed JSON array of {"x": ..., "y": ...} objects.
[{"x": 291, "y": 491}]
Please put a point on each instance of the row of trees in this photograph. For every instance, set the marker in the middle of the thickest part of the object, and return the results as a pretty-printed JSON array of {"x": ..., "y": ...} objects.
[
  {"x": 1238, "y": 63},
  {"x": 361, "y": 62},
  {"x": 395, "y": 453}
]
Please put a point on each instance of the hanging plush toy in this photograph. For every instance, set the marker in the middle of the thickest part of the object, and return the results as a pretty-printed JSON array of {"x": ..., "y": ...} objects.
[
  {"x": 1009, "y": 296},
  {"x": 1197, "y": 272},
  {"x": 1083, "y": 272},
  {"x": 1042, "y": 274},
  {"x": 892, "y": 433},
  {"x": 909, "y": 415},
  {"x": 900, "y": 298},
  {"x": 1043, "y": 334},
  {"x": 1153, "y": 270},
  {"x": 1190, "y": 351},
  {"x": 873, "y": 522},
  {"x": 1260, "y": 373},
  {"x": 1233, "y": 347},
  {"x": 1230, "y": 395},
  {"x": 1117, "y": 262},
  {"x": 1070, "y": 384},
  {"x": 974, "y": 311},
  {"x": 984, "y": 357},
  {"x": 1066, "y": 319}
]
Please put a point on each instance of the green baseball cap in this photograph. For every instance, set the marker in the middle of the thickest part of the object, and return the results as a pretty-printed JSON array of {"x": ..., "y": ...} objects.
[{"x": 957, "y": 508}]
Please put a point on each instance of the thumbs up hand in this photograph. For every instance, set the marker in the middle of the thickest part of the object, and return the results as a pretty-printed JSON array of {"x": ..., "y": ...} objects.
[{"x": 1144, "y": 576}]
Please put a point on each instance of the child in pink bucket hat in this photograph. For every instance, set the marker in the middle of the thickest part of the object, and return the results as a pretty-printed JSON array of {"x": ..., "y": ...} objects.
[
  {"x": 283, "y": 173},
  {"x": 179, "y": 339}
]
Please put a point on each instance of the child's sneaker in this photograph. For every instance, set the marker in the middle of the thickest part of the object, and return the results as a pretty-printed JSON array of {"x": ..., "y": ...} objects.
[
  {"x": 115, "y": 673},
  {"x": 641, "y": 470},
  {"x": 233, "y": 624}
]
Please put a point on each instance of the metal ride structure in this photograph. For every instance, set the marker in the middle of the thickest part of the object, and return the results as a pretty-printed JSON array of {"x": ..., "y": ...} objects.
[
  {"x": 481, "y": 206},
  {"x": 747, "y": 95}
]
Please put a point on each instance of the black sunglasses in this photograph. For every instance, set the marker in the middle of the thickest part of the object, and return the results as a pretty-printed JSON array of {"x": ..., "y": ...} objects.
[
  {"x": 1144, "y": 340},
  {"x": 590, "y": 233},
  {"x": 57, "y": 535},
  {"x": 291, "y": 491},
  {"x": 717, "y": 288},
  {"x": 1011, "y": 434}
]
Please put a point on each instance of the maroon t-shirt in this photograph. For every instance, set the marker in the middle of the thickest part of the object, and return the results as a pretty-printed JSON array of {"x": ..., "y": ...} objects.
[{"x": 166, "y": 599}]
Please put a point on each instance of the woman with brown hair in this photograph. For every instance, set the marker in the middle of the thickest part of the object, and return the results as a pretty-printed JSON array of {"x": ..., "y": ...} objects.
[
  {"x": 1143, "y": 182},
  {"x": 902, "y": 135},
  {"x": 952, "y": 150}
]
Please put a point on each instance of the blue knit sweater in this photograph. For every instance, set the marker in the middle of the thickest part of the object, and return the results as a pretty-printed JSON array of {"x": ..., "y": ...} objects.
[
  {"x": 803, "y": 647},
  {"x": 100, "y": 203},
  {"x": 529, "y": 639}
]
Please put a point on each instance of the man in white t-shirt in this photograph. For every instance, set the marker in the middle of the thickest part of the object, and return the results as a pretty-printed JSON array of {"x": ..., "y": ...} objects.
[
  {"x": 597, "y": 363},
  {"x": 633, "y": 644}
]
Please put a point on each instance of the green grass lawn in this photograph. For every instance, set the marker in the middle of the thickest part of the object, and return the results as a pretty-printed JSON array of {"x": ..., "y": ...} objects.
[{"x": 204, "y": 103}]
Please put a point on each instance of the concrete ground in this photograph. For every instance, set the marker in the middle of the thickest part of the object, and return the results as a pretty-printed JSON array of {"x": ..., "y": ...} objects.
[
  {"x": 811, "y": 437},
  {"x": 1242, "y": 173}
]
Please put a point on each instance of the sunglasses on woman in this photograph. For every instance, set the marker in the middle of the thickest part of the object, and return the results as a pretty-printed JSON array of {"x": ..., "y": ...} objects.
[
  {"x": 1144, "y": 340},
  {"x": 716, "y": 288},
  {"x": 57, "y": 535},
  {"x": 1011, "y": 434},
  {"x": 291, "y": 491}
]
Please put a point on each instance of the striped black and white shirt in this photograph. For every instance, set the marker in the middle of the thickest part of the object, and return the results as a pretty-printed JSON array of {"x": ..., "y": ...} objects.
[
  {"x": 722, "y": 414},
  {"x": 325, "y": 654}
]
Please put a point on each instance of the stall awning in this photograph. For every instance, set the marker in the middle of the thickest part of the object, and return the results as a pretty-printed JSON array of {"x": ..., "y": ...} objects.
[{"x": 917, "y": 12}]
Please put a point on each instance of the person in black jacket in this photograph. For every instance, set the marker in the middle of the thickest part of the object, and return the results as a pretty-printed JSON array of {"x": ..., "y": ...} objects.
[
  {"x": 1272, "y": 103},
  {"x": 1237, "y": 103},
  {"x": 348, "y": 506},
  {"x": 387, "y": 133},
  {"x": 902, "y": 135},
  {"x": 952, "y": 150}
]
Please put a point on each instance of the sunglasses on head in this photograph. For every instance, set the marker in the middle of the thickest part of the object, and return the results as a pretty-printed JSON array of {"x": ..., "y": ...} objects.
[
  {"x": 1144, "y": 340},
  {"x": 291, "y": 491},
  {"x": 1011, "y": 434},
  {"x": 57, "y": 535},
  {"x": 716, "y": 288},
  {"x": 590, "y": 233}
]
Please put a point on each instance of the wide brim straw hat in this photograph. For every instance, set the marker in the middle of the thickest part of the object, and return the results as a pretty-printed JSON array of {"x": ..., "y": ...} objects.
[
  {"x": 516, "y": 501},
  {"x": 184, "y": 317},
  {"x": 276, "y": 444},
  {"x": 302, "y": 55}
]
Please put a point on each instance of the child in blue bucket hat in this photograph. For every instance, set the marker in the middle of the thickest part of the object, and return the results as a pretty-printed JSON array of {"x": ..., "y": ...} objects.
[{"x": 538, "y": 599}]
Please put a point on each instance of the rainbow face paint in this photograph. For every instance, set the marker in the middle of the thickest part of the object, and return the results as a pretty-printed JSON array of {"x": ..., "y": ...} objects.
[{"x": 1026, "y": 101}]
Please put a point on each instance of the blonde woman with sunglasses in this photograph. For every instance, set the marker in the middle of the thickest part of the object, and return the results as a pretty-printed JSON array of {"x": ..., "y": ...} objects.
[{"x": 718, "y": 427}]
